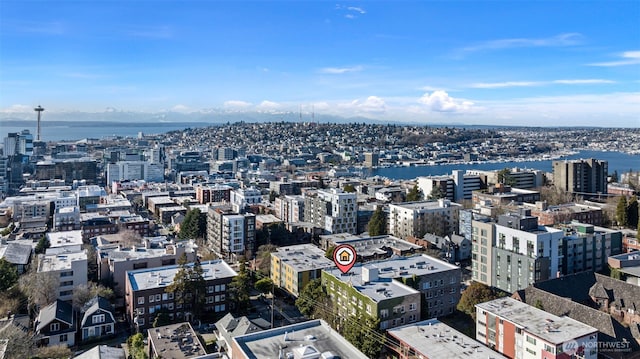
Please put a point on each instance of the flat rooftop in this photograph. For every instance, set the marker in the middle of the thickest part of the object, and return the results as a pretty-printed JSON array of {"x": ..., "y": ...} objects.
[
  {"x": 314, "y": 336},
  {"x": 425, "y": 205},
  {"x": 546, "y": 326},
  {"x": 378, "y": 290},
  {"x": 60, "y": 261},
  {"x": 406, "y": 267},
  {"x": 66, "y": 238},
  {"x": 434, "y": 339},
  {"x": 143, "y": 279},
  {"x": 367, "y": 246},
  {"x": 176, "y": 341},
  {"x": 303, "y": 257}
]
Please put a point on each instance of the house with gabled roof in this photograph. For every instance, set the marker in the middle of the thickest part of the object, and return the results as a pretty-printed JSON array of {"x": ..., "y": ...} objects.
[
  {"x": 55, "y": 324},
  {"x": 97, "y": 319}
]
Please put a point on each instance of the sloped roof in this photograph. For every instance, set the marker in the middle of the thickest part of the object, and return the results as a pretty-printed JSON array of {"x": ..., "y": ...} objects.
[
  {"x": 597, "y": 291},
  {"x": 59, "y": 310},
  {"x": 16, "y": 253},
  {"x": 94, "y": 305}
]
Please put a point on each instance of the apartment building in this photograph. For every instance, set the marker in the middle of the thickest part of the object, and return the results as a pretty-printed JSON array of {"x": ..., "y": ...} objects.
[
  {"x": 293, "y": 267},
  {"x": 69, "y": 267},
  {"x": 586, "y": 247},
  {"x": 585, "y": 177},
  {"x": 516, "y": 177},
  {"x": 483, "y": 241},
  {"x": 290, "y": 208},
  {"x": 362, "y": 291},
  {"x": 525, "y": 253},
  {"x": 231, "y": 234},
  {"x": 456, "y": 187},
  {"x": 332, "y": 210},
  {"x": 415, "y": 219},
  {"x": 114, "y": 260},
  {"x": 145, "y": 292},
  {"x": 521, "y": 331},
  {"x": 214, "y": 193}
]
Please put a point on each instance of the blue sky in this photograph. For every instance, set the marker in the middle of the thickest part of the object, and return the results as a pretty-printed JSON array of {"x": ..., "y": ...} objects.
[{"x": 474, "y": 62}]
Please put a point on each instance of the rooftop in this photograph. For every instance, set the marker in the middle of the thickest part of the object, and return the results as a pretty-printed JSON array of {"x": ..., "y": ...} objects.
[
  {"x": 367, "y": 246},
  {"x": 311, "y": 337},
  {"x": 15, "y": 253},
  {"x": 546, "y": 326},
  {"x": 426, "y": 205},
  {"x": 434, "y": 339},
  {"x": 384, "y": 288},
  {"x": 66, "y": 238},
  {"x": 163, "y": 276},
  {"x": 60, "y": 261},
  {"x": 303, "y": 257},
  {"x": 176, "y": 341},
  {"x": 116, "y": 253}
]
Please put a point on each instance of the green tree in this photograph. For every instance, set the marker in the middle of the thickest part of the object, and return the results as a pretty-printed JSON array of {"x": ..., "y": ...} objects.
[
  {"x": 309, "y": 296},
  {"x": 193, "y": 226},
  {"x": 162, "y": 318},
  {"x": 614, "y": 176},
  {"x": 364, "y": 334},
  {"x": 272, "y": 196},
  {"x": 436, "y": 193},
  {"x": 474, "y": 294},
  {"x": 621, "y": 211},
  {"x": 378, "y": 223},
  {"x": 504, "y": 176},
  {"x": 136, "y": 346},
  {"x": 349, "y": 188},
  {"x": 615, "y": 273},
  {"x": 538, "y": 304},
  {"x": 239, "y": 289},
  {"x": 42, "y": 245},
  {"x": 415, "y": 194},
  {"x": 632, "y": 212},
  {"x": 8, "y": 275},
  {"x": 264, "y": 285},
  {"x": 329, "y": 252},
  {"x": 188, "y": 287}
]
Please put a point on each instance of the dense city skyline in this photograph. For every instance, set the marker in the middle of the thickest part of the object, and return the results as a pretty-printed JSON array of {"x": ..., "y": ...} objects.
[{"x": 520, "y": 63}]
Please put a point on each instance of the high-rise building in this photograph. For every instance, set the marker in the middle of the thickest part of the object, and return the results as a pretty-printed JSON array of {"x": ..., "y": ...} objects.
[
  {"x": 135, "y": 170},
  {"x": 332, "y": 210},
  {"x": 371, "y": 159},
  {"x": 483, "y": 239},
  {"x": 582, "y": 177},
  {"x": 18, "y": 143}
]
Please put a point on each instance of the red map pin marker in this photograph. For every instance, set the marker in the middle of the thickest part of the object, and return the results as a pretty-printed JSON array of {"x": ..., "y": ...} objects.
[{"x": 344, "y": 256}]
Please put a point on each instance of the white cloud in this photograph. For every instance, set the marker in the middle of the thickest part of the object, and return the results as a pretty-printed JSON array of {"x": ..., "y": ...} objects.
[
  {"x": 628, "y": 58},
  {"x": 566, "y": 39},
  {"x": 583, "y": 82},
  {"x": 373, "y": 104},
  {"x": 236, "y": 104},
  {"x": 180, "y": 108},
  {"x": 341, "y": 70},
  {"x": 268, "y": 106},
  {"x": 494, "y": 85},
  {"x": 440, "y": 101},
  {"x": 357, "y": 9},
  {"x": 17, "y": 108}
]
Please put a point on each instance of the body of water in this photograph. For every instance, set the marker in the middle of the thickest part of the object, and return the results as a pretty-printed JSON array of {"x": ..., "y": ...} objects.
[
  {"x": 73, "y": 131},
  {"x": 618, "y": 161}
]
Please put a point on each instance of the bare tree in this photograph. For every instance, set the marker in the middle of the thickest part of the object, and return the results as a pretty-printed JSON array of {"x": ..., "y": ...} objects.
[
  {"x": 21, "y": 343},
  {"x": 129, "y": 238},
  {"x": 41, "y": 288},
  {"x": 83, "y": 293}
]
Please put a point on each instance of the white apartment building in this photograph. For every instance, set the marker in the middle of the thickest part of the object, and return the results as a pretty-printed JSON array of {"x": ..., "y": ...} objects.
[
  {"x": 415, "y": 219},
  {"x": 66, "y": 218},
  {"x": 65, "y": 199},
  {"x": 333, "y": 210},
  {"x": 456, "y": 187},
  {"x": 135, "y": 170},
  {"x": 69, "y": 267},
  {"x": 246, "y": 196},
  {"x": 290, "y": 208}
]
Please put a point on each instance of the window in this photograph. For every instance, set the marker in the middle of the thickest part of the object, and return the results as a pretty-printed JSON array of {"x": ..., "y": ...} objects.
[
  {"x": 141, "y": 310},
  {"x": 67, "y": 274},
  {"x": 98, "y": 319},
  {"x": 139, "y": 265},
  {"x": 152, "y": 298},
  {"x": 531, "y": 340},
  {"x": 63, "y": 338},
  {"x": 140, "y": 321},
  {"x": 66, "y": 292},
  {"x": 140, "y": 300},
  {"x": 66, "y": 283},
  {"x": 54, "y": 327},
  {"x": 157, "y": 297},
  {"x": 412, "y": 307},
  {"x": 152, "y": 310},
  {"x": 210, "y": 289},
  {"x": 170, "y": 296},
  {"x": 165, "y": 296},
  {"x": 384, "y": 313}
]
